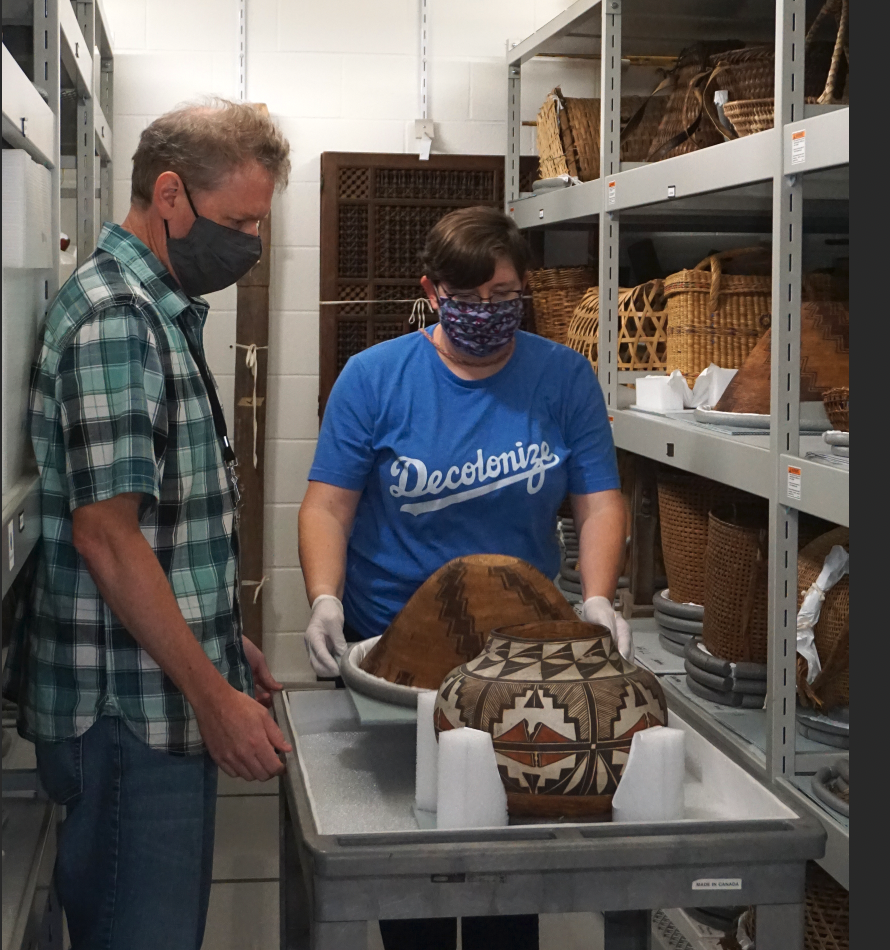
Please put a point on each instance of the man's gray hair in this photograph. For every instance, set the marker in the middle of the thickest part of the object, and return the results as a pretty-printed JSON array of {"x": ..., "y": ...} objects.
[{"x": 203, "y": 142}]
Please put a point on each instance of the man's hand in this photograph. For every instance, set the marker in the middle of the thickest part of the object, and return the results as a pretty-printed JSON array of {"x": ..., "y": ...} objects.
[
  {"x": 599, "y": 610},
  {"x": 241, "y": 735},
  {"x": 324, "y": 635},
  {"x": 263, "y": 680}
]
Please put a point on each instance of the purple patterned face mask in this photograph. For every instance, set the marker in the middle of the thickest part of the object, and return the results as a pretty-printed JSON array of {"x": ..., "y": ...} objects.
[{"x": 480, "y": 329}]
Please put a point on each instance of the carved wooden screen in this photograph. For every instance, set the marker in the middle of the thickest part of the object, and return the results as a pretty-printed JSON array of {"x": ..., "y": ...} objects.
[{"x": 376, "y": 211}]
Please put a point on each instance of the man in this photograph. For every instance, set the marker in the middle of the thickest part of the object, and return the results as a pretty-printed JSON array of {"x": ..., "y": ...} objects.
[{"x": 131, "y": 672}]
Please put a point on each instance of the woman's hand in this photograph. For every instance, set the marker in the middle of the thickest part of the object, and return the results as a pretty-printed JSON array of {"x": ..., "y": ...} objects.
[
  {"x": 324, "y": 635},
  {"x": 264, "y": 682},
  {"x": 599, "y": 610}
]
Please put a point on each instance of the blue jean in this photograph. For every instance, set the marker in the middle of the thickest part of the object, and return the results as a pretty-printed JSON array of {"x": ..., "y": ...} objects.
[{"x": 135, "y": 850}]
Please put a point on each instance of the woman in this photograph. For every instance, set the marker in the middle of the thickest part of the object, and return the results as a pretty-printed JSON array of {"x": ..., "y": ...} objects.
[{"x": 460, "y": 440}]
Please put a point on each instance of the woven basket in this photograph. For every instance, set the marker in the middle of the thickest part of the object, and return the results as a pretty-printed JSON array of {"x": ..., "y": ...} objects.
[
  {"x": 556, "y": 292},
  {"x": 735, "y": 597},
  {"x": 681, "y": 129},
  {"x": 568, "y": 134},
  {"x": 749, "y": 78},
  {"x": 642, "y": 333},
  {"x": 684, "y": 502},
  {"x": 837, "y": 405},
  {"x": 714, "y": 317},
  {"x": 831, "y": 688},
  {"x": 827, "y": 916}
]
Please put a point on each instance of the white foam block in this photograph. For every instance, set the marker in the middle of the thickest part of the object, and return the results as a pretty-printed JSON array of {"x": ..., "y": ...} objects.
[
  {"x": 651, "y": 786},
  {"x": 659, "y": 394},
  {"x": 470, "y": 792},
  {"x": 426, "y": 775}
]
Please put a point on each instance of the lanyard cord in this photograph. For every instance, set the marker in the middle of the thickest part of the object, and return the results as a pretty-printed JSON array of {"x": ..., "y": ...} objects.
[{"x": 219, "y": 419}]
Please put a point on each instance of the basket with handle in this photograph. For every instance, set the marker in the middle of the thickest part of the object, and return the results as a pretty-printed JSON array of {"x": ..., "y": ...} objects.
[
  {"x": 642, "y": 331},
  {"x": 556, "y": 292},
  {"x": 713, "y": 317},
  {"x": 751, "y": 107},
  {"x": 568, "y": 133}
]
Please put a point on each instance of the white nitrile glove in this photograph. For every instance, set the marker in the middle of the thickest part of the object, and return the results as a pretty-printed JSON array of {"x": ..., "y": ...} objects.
[
  {"x": 324, "y": 635},
  {"x": 599, "y": 610}
]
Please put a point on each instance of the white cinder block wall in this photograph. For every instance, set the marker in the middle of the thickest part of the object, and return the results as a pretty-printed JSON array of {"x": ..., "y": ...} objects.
[{"x": 338, "y": 75}]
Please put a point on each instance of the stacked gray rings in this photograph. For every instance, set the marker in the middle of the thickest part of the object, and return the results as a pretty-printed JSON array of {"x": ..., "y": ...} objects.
[
  {"x": 830, "y": 728},
  {"x": 677, "y": 623},
  {"x": 569, "y": 579},
  {"x": 719, "y": 681},
  {"x": 832, "y": 782}
]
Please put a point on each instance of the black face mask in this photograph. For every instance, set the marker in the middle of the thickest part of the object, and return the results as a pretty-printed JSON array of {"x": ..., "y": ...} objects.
[{"x": 211, "y": 256}]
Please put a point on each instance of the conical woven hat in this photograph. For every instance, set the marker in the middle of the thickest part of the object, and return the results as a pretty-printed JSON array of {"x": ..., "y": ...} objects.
[
  {"x": 451, "y": 615},
  {"x": 824, "y": 361}
]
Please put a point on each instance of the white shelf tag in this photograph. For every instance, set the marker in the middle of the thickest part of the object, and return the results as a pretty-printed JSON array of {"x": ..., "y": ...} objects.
[
  {"x": 717, "y": 884},
  {"x": 799, "y": 147},
  {"x": 794, "y": 479},
  {"x": 10, "y": 537},
  {"x": 611, "y": 192}
]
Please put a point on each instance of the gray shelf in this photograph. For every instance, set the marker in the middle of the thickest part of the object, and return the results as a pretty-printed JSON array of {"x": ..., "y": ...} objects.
[
  {"x": 21, "y": 527},
  {"x": 741, "y": 461},
  {"x": 837, "y": 828},
  {"x": 824, "y": 490},
  {"x": 70, "y": 46},
  {"x": 824, "y": 142},
  {"x": 749, "y": 186}
]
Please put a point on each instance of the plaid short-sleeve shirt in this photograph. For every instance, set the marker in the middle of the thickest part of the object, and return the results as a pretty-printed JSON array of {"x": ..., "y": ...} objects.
[{"x": 118, "y": 405}]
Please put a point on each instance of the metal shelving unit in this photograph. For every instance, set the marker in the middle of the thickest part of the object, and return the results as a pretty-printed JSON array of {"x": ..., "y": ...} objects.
[
  {"x": 784, "y": 182},
  {"x": 57, "y": 103}
]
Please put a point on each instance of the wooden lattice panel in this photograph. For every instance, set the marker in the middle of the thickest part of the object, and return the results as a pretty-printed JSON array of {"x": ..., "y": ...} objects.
[
  {"x": 376, "y": 212},
  {"x": 354, "y": 183},
  {"x": 400, "y": 233}
]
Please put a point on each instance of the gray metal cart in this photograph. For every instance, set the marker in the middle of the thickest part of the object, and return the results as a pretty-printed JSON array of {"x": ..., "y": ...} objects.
[{"x": 352, "y": 850}]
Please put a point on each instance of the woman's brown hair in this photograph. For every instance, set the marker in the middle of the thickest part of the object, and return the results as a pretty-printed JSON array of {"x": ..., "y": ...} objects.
[{"x": 463, "y": 249}]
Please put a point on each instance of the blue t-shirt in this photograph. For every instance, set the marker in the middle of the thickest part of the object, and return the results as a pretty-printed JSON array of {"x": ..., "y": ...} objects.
[{"x": 449, "y": 467}]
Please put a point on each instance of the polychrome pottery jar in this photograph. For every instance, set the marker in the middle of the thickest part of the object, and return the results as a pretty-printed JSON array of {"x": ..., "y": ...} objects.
[{"x": 562, "y": 706}]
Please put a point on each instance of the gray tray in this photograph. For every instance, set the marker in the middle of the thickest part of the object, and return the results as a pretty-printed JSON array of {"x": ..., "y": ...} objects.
[{"x": 374, "y": 686}]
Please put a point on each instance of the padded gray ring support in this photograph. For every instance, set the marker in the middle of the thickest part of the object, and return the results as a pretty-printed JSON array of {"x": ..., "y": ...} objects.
[
  {"x": 569, "y": 574},
  {"x": 724, "y": 683},
  {"x": 724, "y": 699},
  {"x": 719, "y": 667},
  {"x": 826, "y": 738},
  {"x": 822, "y": 790},
  {"x": 670, "y": 646},
  {"x": 663, "y": 604},
  {"x": 681, "y": 639},
  {"x": 374, "y": 686},
  {"x": 824, "y": 722},
  {"x": 692, "y": 627}
]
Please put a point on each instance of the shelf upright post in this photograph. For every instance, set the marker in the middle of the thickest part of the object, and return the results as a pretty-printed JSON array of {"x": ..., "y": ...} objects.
[
  {"x": 87, "y": 177},
  {"x": 47, "y": 76},
  {"x": 785, "y": 396},
  {"x": 105, "y": 92},
  {"x": 610, "y": 158},
  {"x": 514, "y": 131}
]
